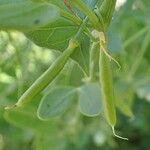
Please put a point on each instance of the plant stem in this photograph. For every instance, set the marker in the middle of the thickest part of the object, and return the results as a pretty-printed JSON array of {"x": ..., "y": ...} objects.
[
  {"x": 94, "y": 53},
  {"x": 87, "y": 11},
  {"x": 106, "y": 10},
  {"x": 71, "y": 17},
  {"x": 77, "y": 21},
  {"x": 81, "y": 29}
]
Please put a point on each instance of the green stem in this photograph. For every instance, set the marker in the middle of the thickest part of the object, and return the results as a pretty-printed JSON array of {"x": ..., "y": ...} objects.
[
  {"x": 71, "y": 17},
  {"x": 139, "y": 57},
  {"x": 81, "y": 29},
  {"x": 106, "y": 10},
  {"x": 94, "y": 53},
  {"x": 88, "y": 12},
  {"x": 77, "y": 21}
]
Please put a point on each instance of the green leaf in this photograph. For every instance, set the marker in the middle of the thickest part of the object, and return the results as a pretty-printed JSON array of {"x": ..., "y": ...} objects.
[
  {"x": 60, "y": 3},
  {"x": 25, "y": 14},
  {"x": 26, "y": 118},
  {"x": 90, "y": 99},
  {"x": 55, "y": 102},
  {"x": 56, "y": 36}
]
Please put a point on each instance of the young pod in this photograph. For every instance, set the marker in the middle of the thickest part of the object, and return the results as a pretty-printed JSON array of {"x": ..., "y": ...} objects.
[{"x": 106, "y": 82}]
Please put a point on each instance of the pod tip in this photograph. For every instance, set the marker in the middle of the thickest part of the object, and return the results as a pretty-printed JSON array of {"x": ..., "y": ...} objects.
[{"x": 120, "y": 137}]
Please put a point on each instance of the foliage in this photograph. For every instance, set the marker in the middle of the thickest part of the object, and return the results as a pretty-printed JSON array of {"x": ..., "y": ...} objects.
[{"x": 72, "y": 97}]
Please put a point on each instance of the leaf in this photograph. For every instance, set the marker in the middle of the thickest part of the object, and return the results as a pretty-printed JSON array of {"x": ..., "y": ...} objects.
[
  {"x": 55, "y": 102},
  {"x": 60, "y": 3},
  {"x": 90, "y": 99},
  {"x": 26, "y": 118},
  {"x": 25, "y": 14},
  {"x": 56, "y": 36}
]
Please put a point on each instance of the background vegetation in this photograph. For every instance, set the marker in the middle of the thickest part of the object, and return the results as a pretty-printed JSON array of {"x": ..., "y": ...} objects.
[{"x": 21, "y": 62}]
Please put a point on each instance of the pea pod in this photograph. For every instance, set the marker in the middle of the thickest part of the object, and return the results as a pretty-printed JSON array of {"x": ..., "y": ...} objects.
[
  {"x": 47, "y": 76},
  {"x": 106, "y": 82},
  {"x": 107, "y": 88},
  {"x": 50, "y": 74}
]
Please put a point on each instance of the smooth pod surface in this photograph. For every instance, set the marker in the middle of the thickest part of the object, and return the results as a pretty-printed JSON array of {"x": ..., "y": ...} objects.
[{"x": 107, "y": 88}]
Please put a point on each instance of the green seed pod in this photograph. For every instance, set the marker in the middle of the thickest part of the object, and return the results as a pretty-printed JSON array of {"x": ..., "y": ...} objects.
[
  {"x": 107, "y": 88},
  {"x": 50, "y": 74},
  {"x": 106, "y": 82},
  {"x": 47, "y": 77}
]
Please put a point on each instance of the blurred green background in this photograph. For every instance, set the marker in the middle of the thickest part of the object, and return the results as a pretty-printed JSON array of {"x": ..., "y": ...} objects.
[{"x": 22, "y": 62}]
